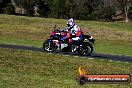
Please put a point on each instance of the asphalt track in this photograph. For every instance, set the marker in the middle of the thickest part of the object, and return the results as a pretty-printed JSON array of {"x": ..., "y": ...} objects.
[{"x": 94, "y": 55}]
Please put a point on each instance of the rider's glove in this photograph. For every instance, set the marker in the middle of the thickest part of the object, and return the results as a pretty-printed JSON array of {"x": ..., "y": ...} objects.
[{"x": 61, "y": 39}]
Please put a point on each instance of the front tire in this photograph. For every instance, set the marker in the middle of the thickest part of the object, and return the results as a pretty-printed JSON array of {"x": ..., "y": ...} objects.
[{"x": 49, "y": 46}]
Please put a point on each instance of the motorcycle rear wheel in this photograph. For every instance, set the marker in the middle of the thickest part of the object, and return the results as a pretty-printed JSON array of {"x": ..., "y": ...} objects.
[{"x": 85, "y": 49}]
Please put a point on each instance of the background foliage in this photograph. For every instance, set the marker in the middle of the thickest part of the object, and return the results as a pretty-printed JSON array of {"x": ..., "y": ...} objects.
[{"x": 79, "y": 9}]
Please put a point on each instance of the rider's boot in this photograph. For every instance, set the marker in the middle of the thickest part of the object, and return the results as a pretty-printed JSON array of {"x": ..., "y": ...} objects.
[{"x": 74, "y": 48}]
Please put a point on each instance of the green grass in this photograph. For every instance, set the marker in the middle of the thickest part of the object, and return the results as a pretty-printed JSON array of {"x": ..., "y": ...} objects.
[
  {"x": 106, "y": 25},
  {"x": 28, "y": 69},
  {"x": 16, "y": 41},
  {"x": 9, "y": 20},
  {"x": 114, "y": 47},
  {"x": 111, "y": 37}
]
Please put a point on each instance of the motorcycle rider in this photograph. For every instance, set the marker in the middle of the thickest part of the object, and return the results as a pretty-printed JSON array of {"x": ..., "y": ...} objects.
[{"x": 74, "y": 34}]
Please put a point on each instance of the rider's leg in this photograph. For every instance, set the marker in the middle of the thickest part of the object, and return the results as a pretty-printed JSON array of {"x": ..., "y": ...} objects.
[{"x": 75, "y": 44}]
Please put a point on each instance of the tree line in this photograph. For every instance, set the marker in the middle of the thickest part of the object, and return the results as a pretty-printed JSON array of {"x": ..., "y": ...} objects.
[{"x": 108, "y": 10}]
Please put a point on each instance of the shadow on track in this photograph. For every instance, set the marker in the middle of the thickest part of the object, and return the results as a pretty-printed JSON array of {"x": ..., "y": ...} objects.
[{"x": 112, "y": 57}]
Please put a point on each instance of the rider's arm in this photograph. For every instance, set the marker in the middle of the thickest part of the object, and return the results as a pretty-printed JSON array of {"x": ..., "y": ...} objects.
[
  {"x": 67, "y": 36},
  {"x": 78, "y": 32}
]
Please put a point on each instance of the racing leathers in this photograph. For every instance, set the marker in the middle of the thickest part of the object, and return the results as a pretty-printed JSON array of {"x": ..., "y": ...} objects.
[{"x": 74, "y": 34}]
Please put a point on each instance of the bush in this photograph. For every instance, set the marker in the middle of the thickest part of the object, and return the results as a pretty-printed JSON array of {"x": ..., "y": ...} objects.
[
  {"x": 130, "y": 13},
  {"x": 9, "y": 9},
  {"x": 107, "y": 13}
]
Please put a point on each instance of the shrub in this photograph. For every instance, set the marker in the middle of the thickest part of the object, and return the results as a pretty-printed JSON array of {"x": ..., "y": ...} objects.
[{"x": 9, "y": 9}]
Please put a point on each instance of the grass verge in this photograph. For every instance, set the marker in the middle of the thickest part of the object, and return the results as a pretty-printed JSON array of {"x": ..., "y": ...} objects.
[{"x": 26, "y": 69}]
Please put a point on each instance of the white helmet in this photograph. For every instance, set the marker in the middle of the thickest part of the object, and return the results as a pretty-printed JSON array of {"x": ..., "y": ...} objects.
[{"x": 70, "y": 22}]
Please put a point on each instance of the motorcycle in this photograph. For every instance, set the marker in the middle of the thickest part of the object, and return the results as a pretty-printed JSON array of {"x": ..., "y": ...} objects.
[{"x": 84, "y": 47}]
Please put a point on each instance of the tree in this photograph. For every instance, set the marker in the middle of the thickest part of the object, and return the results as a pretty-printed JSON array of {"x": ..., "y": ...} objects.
[
  {"x": 107, "y": 10},
  {"x": 26, "y": 6},
  {"x": 43, "y": 8},
  {"x": 86, "y": 9},
  {"x": 125, "y": 5},
  {"x": 9, "y": 9},
  {"x": 54, "y": 8},
  {"x": 3, "y": 4},
  {"x": 130, "y": 12},
  {"x": 71, "y": 8},
  {"x": 61, "y": 8}
]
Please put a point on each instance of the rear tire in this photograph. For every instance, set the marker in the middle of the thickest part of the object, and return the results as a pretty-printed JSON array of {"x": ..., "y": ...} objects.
[
  {"x": 86, "y": 49},
  {"x": 49, "y": 46}
]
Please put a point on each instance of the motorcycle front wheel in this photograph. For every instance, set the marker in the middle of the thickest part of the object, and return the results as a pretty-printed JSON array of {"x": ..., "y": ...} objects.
[{"x": 49, "y": 46}]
